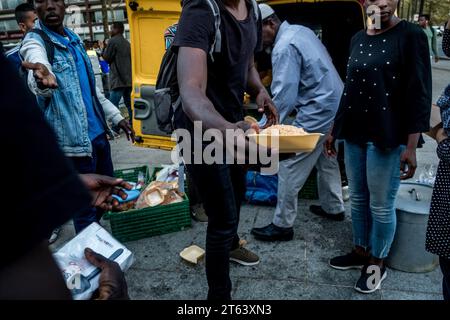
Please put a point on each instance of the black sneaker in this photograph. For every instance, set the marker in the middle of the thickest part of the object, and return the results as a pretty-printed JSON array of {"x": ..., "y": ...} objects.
[
  {"x": 351, "y": 260},
  {"x": 273, "y": 233},
  {"x": 371, "y": 278}
]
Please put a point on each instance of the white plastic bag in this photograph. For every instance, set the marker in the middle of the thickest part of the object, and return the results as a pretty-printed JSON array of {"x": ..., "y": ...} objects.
[{"x": 72, "y": 262}]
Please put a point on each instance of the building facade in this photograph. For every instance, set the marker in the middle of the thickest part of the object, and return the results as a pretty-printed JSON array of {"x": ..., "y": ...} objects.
[{"x": 83, "y": 16}]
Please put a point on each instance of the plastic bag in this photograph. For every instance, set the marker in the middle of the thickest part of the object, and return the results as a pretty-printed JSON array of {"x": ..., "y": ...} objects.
[
  {"x": 70, "y": 258},
  {"x": 261, "y": 189}
]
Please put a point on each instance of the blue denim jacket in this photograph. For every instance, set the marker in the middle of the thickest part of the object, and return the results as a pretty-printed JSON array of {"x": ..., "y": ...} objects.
[{"x": 63, "y": 107}]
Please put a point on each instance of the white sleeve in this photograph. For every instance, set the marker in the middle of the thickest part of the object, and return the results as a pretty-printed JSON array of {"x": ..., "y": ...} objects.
[
  {"x": 33, "y": 51},
  {"x": 111, "y": 111}
]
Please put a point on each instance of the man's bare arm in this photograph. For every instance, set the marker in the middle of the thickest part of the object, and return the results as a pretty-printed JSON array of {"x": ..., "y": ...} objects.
[{"x": 192, "y": 80}]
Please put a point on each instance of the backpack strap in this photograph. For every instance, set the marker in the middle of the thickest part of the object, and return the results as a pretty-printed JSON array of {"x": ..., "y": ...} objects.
[
  {"x": 217, "y": 43},
  {"x": 49, "y": 46}
]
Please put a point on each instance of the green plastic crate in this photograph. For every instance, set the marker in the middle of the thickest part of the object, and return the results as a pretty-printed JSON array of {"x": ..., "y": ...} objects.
[
  {"x": 310, "y": 190},
  {"x": 132, "y": 174},
  {"x": 142, "y": 223}
]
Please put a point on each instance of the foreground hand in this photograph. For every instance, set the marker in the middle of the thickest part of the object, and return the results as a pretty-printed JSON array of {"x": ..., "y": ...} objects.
[
  {"x": 408, "y": 164},
  {"x": 44, "y": 78},
  {"x": 265, "y": 104},
  {"x": 125, "y": 126},
  {"x": 102, "y": 188},
  {"x": 112, "y": 284},
  {"x": 330, "y": 146}
]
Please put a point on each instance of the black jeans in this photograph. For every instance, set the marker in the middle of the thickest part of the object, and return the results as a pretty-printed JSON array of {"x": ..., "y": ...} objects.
[
  {"x": 445, "y": 267},
  {"x": 192, "y": 191},
  {"x": 100, "y": 163},
  {"x": 222, "y": 190}
]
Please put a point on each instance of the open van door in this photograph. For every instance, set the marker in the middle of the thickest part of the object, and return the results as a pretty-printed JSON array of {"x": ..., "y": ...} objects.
[{"x": 334, "y": 21}]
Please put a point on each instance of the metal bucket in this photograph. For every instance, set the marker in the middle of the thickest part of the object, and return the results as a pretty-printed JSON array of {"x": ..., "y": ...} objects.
[{"x": 408, "y": 249}]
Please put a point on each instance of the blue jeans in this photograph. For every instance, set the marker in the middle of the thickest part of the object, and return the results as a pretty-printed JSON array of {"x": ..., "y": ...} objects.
[
  {"x": 100, "y": 163},
  {"x": 115, "y": 96},
  {"x": 374, "y": 179}
]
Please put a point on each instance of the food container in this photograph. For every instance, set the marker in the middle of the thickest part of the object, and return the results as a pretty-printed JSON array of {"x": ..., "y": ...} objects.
[
  {"x": 408, "y": 249},
  {"x": 288, "y": 143},
  {"x": 192, "y": 254}
]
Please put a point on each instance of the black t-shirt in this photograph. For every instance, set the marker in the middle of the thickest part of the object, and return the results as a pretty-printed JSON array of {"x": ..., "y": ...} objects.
[
  {"x": 227, "y": 74},
  {"x": 263, "y": 61},
  {"x": 387, "y": 93},
  {"x": 41, "y": 190}
]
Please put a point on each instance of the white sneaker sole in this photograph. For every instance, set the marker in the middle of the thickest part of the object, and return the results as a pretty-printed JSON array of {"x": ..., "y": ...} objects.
[
  {"x": 247, "y": 264},
  {"x": 376, "y": 288},
  {"x": 345, "y": 268}
]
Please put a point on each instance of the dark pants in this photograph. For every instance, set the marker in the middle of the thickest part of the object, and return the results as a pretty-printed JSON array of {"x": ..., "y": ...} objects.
[
  {"x": 116, "y": 94},
  {"x": 100, "y": 163},
  {"x": 222, "y": 189},
  {"x": 445, "y": 267},
  {"x": 192, "y": 191}
]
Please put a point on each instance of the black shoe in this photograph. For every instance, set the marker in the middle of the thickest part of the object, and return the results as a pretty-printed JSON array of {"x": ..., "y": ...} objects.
[
  {"x": 320, "y": 212},
  {"x": 371, "y": 278},
  {"x": 351, "y": 260},
  {"x": 273, "y": 233}
]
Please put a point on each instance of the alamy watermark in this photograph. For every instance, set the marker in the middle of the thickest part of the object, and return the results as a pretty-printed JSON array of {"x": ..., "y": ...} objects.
[
  {"x": 373, "y": 281},
  {"x": 374, "y": 14}
]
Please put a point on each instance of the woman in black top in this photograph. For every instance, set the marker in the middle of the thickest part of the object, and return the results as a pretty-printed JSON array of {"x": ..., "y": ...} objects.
[
  {"x": 438, "y": 231},
  {"x": 385, "y": 106}
]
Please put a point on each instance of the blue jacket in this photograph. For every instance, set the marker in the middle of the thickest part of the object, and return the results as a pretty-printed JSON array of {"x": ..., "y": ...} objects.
[{"x": 63, "y": 107}]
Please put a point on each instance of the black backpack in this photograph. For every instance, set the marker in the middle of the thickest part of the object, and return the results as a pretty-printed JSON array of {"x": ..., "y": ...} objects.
[{"x": 167, "y": 97}]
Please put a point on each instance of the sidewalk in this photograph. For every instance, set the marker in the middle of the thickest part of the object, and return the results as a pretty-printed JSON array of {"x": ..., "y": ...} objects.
[
  {"x": 443, "y": 64},
  {"x": 290, "y": 270}
]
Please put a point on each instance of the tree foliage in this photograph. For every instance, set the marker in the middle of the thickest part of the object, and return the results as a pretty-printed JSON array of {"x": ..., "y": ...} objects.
[{"x": 438, "y": 9}]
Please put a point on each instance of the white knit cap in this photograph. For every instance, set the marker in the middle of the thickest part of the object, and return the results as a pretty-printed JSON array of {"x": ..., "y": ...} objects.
[{"x": 266, "y": 11}]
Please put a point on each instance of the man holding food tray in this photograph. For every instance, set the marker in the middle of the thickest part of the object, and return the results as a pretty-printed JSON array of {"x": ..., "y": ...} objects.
[
  {"x": 305, "y": 80},
  {"x": 212, "y": 82}
]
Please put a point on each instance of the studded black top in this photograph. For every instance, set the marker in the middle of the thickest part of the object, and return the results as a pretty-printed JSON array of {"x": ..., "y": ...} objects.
[{"x": 387, "y": 93}]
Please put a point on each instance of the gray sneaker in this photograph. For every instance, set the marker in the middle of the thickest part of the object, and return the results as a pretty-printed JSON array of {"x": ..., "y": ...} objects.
[{"x": 244, "y": 257}]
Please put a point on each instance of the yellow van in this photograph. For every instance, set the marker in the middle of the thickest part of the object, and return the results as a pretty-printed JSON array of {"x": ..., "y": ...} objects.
[{"x": 334, "y": 21}]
